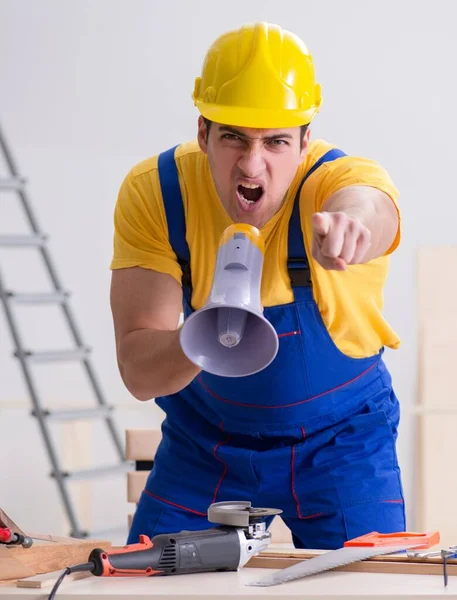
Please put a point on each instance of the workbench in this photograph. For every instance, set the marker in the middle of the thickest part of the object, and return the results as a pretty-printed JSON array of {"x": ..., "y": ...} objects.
[{"x": 230, "y": 586}]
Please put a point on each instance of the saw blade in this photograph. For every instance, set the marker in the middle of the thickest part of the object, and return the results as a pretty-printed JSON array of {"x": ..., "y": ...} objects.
[{"x": 325, "y": 562}]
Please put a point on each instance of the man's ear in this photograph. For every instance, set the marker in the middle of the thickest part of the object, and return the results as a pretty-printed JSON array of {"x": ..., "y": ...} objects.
[
  {"x": 305, "y": 143},
  {"x": 202, "y": 135}
]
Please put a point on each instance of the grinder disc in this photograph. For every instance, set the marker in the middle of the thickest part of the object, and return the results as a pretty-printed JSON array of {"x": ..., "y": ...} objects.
[{"x": 238, "y": 514}]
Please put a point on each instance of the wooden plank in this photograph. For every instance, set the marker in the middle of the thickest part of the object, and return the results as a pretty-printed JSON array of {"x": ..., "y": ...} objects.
[
  {"x": 136, "y": 480},
  {"x": 46, "y": 557},
  {"x": 11, "y": 567},
  {"x": 366, "y": 566},
  {"x": 48, "y": 579},
  {"x": 142, "y": 444},
  {"x": 303, "y": 554}
]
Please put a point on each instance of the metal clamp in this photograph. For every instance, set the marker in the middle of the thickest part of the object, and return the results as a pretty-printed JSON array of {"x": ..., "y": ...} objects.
[
  {"x": 451, "y": 552},
  {"x": 432, "y": 554}
]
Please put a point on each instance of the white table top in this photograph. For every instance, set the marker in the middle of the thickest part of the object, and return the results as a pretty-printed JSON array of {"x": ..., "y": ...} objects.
[{"x": 334, "y": 585}]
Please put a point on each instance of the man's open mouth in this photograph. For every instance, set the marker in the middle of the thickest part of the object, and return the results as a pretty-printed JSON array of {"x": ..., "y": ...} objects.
[{"x": 250, "y": 192}]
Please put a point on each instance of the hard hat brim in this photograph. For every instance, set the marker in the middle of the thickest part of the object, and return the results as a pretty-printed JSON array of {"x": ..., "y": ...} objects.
[{"x": 256, "y": 118}]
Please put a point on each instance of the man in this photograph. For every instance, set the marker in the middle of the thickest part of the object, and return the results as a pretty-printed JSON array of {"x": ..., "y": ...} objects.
[{"x": 314, "y": 432}]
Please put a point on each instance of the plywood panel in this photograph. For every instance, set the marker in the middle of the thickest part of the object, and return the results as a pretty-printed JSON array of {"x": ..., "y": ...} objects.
[
  {"x": 78, "y": 453},
  {"x": 439, "y": 476},
  {"x": 280, "y": 533},
  {"x": 436, "y": 402},
  {"x": 136, "y": 480},
  {"x": 142, "y": 444},
  {"x": 437, "y": 322}
]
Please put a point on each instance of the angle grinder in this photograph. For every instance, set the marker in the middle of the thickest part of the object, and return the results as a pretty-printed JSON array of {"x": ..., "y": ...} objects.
[{"x": 240, "y": 534}]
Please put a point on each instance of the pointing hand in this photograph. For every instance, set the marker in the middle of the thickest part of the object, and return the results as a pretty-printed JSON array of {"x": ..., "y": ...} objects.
[{"x": 338, "y": 240}]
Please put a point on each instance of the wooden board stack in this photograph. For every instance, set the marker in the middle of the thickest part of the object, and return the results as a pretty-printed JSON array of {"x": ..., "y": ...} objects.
[{"x": 281, "y": 558}]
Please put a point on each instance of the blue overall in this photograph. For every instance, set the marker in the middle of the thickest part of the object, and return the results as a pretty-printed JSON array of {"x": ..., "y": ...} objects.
[{"x": 313, "y": 434}]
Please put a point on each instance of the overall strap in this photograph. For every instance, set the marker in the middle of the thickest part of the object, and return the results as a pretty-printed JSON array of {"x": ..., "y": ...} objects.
[
  {"x": 174, "y": 212},
  {"x": 297, "y": 262}
]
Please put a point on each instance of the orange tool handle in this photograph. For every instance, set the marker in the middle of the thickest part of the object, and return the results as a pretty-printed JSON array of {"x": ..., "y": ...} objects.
[
  {"x": 132, "y": 560},
  {"x": 406, "y": 538},
  {"x": 143, "y": 544}
]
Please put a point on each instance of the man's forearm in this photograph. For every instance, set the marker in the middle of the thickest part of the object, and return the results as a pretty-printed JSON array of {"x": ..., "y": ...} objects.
[
  {"x": 374, "y": 209},
  {"x": 152, "y": 363}
]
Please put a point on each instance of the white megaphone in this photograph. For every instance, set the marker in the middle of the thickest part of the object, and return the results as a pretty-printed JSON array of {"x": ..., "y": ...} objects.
[{"x": 229, "y": 336}]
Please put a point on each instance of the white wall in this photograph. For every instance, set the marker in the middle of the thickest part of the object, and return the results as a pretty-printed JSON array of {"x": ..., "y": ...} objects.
[{"x": 90, "y": 87}]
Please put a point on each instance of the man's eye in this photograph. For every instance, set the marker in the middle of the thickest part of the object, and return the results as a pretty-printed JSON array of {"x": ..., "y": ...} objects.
[
  {"x": 278, "y": 143},
  {"x": 231, "y": 136}
]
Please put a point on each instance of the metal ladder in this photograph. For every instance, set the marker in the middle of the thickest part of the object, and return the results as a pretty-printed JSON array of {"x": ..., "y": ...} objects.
[{"x": 58, "y": 296}]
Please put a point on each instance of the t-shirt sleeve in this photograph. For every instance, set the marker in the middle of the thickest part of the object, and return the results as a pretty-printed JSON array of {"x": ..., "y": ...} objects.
[
  {"x": 349, "y": 171},
  {"x": 140, "y": 227}
]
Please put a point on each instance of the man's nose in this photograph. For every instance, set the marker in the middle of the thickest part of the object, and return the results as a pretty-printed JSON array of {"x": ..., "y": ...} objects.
[{"x": 252, "y": 162}]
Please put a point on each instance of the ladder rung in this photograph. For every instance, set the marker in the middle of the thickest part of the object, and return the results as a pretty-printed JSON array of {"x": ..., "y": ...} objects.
[
  {"x": 77, "y": 414},
  {"x": 56, "y": 355},
  {"x": 23, "y": 241},
  {"x": 12, "y": 183},
  {"x": 38, "y": 297},
  {"x": 96, "y": 472},
  {"x": 33, "y": 238}
]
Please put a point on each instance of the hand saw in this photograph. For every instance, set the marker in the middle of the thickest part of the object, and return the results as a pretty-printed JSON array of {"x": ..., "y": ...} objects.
[{"x": 360, "y": 548}]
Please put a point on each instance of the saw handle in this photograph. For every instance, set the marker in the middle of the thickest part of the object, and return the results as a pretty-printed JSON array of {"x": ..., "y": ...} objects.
[{"x": 410, "y": 539}]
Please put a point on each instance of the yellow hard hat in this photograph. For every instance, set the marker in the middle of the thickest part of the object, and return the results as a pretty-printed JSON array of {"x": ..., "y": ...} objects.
[{"x": 258, "y": 76}]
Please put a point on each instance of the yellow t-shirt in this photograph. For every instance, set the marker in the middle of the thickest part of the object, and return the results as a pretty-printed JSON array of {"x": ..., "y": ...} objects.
[{"x": 350, "y": 301}]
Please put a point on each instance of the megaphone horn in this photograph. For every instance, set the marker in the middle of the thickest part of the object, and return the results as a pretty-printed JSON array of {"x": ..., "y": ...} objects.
[{"x": 229, "y": 336}]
